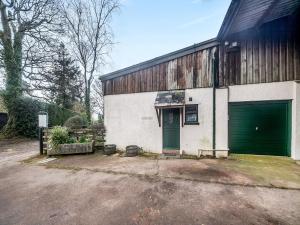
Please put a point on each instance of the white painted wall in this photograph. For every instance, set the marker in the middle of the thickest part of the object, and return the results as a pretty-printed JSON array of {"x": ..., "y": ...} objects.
[
  {"x": 198, "y": 137},
  {"x": 296, "y": 122},
  {"x": 273, "y": 91},
  {"x": 222, "y": 119},
  {"x": 131, "y": 118},
  {"x": 261, "y": 92}
]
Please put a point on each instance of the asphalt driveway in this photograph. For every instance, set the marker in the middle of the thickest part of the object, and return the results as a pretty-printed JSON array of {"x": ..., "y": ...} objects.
[{"x": 64, "y": 192}]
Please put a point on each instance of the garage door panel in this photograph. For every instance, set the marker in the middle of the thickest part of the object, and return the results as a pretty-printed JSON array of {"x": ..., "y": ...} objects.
[{"x": 259, "y": 127}]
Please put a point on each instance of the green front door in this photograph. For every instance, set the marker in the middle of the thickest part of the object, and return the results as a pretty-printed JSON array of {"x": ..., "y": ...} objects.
[
  {"x": 261, "y": 128},
  {"x": 171, "y": 129}
]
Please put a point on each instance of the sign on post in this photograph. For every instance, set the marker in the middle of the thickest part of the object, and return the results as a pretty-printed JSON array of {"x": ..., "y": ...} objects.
[
  {"x": 43, "y": 123},
  {"x": 43, "y": 120}
]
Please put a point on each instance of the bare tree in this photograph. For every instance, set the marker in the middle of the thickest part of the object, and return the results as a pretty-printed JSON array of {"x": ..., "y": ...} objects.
[
  {"x": 97, "y": 98},
  {"x": 25, "y": 28},
  {"x": 91, "y": 36}
]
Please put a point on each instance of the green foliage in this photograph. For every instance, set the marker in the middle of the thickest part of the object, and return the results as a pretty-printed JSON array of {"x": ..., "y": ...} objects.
[
  {"x": 24, "y": 112},
  {"x": 83, "y": 139},
  {"x": 72, "y": 140},
  {"x": 58, "y": 115},
  {"x": 63, "y": 83},
  {"x": 59, "y": 135},
  {"x": 76, "y": 122},
  {"x": 2, "y": 106}
]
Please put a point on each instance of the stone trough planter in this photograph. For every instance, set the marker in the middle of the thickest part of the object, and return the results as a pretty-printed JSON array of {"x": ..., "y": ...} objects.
[{"x": 69, "y": 149}]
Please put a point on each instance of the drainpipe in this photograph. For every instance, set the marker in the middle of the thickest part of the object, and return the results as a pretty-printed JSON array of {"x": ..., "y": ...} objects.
[{"x": 215, "y": 85}]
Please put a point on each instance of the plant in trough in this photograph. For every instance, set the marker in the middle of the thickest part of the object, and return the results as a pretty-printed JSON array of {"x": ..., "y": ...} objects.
[{"x": 59, "y": 135}]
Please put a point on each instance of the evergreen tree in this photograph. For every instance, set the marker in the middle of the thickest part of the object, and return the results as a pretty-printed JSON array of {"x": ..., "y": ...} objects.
[{"x": 63, "y": 84}]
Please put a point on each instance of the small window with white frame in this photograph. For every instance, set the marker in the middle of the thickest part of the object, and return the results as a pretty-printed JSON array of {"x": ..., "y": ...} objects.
[{"x": 191, "y": 114}]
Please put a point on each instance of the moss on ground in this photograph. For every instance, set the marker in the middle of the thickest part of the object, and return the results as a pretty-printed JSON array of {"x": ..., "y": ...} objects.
[
  {"x": 149, "y": 155},
  {"x": 270, "y": 170},
  {"x": 186, "y": 156},
  {"x": 34, "y": 159}
]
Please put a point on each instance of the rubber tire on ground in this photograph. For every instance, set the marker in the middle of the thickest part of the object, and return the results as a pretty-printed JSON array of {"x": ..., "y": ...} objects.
[
  {"x": 110, "y": 149},
  {"x": 132, "y": 150}
]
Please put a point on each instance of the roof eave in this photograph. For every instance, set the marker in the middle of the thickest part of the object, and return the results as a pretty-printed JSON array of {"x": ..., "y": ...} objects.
[
  {"x": 228, "y": 19},
  {"x": 161, "y": 59}
]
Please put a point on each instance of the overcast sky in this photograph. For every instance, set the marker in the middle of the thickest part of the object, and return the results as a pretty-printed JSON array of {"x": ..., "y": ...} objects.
[{"x": 145, "y": 29}]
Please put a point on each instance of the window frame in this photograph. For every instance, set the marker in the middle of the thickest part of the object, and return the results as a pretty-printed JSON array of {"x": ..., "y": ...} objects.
[{"x": 185, "y": 115}]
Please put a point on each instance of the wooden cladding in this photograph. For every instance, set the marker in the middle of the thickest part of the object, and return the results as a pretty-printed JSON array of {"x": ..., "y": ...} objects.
[
  {"x": 190, "y": 71},
  {"x": 255, "y": 61},
  {"x": 260, "y": 61}
]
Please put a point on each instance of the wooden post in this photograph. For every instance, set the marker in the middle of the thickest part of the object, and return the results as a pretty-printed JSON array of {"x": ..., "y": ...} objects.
[{"x": 41, "y": 140}]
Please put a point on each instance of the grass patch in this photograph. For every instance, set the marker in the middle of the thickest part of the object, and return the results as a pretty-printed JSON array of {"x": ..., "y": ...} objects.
[
  {"x": 186, "y": 156},
  {"x": 149, "y": 155},
  {"x": 34, "y": 159},
  {"x": 274, "y": 170},
  {"x": 62, "y": 167}
]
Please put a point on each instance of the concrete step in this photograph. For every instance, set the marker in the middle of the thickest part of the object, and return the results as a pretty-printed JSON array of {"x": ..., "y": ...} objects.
[{"x": 170, "y": 154}]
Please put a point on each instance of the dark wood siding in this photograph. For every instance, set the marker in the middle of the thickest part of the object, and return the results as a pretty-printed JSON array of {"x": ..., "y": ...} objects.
[
  {"x": 260, "y": 61},
  {"x": 269, "y": 53},
  {"x": 189, "y": 71}
]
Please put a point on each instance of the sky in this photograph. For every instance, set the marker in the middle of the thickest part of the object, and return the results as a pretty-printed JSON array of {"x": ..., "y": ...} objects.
[{"x": 145, "y": 29}]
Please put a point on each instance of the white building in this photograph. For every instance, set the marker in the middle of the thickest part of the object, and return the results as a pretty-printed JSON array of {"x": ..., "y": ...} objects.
[{"x": 236, "y": 93}]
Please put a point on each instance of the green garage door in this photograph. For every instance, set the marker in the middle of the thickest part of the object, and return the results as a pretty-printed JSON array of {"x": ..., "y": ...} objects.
[{"x": 261, "y": 128}]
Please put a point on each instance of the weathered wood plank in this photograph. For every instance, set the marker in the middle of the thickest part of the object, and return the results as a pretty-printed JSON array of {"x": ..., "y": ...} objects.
[
  {"x": 249, "y": 62},
  {"x": 199, "y": 68},
  {"x": 290, "y": 59},
  {"x": 282, "y": 60},
  {"x": 221, "y": 65},
  {"x": 262, "y": 61},
  {"x": 275, "y": 60},
  {"x": 269, "y": 71},
  {"x": 297, "y": 60},
  {"x": 256, "y": 77},
  {"x": 243, "y": 62}
]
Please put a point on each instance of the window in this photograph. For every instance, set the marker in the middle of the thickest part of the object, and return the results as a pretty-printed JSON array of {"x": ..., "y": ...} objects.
[{"x": 191, "y": 114}]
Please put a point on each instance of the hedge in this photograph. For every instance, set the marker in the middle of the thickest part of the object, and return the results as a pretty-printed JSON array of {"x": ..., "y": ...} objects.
[{"x": 26, "y": 110}]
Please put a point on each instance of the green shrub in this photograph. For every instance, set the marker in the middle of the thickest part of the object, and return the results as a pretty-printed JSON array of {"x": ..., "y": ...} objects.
[
  {"x": 72, "y": 140},
  {"x": 59, "y": 135},
  {"x": 76, "y": 122},
  {"x": 83, "y": 139},
  {"x": 58, "y": 115},
  {"x": 25, "y": 113}
]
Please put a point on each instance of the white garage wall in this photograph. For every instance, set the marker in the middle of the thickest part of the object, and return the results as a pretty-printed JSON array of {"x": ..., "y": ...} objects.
[
  {"x": 273, "y": 91},
  {"x": 296, "y": 122},
  {"x": 261, "y": 92}
]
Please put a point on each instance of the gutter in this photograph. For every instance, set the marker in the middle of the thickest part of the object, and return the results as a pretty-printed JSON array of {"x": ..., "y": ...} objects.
[{"x": 161, "y": 59}]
